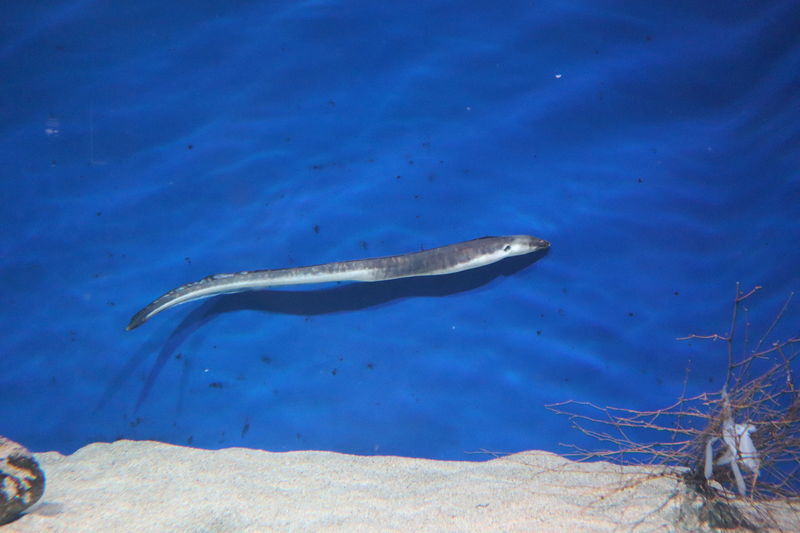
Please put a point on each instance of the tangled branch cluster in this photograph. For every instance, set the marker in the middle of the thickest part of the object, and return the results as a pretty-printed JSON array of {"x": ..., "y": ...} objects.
[{"x": 745, "y": 437}]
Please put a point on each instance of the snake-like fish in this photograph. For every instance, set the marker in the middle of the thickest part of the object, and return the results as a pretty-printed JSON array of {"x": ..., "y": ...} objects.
[{"x": 434, "y": 262}]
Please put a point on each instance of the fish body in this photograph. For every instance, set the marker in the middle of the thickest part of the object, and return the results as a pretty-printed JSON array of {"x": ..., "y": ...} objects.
[{"x": 434, "y": 262}]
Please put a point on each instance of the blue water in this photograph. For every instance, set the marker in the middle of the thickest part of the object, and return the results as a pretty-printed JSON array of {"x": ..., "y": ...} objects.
[{"x": 655, "y": 144}]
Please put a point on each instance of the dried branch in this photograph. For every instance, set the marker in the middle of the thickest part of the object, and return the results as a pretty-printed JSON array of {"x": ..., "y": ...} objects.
[{"x": 758, "y": 401}]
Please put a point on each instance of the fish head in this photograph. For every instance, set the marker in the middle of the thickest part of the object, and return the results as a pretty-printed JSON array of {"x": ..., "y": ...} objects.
[{"x": 524, "y": 244}]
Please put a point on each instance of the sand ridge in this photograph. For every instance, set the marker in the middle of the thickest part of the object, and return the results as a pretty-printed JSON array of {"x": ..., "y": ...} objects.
[{"x": 150, "y": 486}]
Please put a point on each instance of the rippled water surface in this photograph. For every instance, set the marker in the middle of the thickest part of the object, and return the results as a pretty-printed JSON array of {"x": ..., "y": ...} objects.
[{"x": 655, "y": 144}]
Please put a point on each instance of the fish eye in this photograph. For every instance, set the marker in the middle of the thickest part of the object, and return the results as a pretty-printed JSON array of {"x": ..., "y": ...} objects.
[{"x": 507, "y": 248}]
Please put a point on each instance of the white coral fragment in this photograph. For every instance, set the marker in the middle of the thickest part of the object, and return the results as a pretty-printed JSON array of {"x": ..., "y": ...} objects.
[{"x": 740, "y": 448}]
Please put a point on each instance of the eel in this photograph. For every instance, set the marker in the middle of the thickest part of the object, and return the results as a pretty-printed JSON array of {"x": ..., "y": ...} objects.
[{"x": 434, "y": 262}]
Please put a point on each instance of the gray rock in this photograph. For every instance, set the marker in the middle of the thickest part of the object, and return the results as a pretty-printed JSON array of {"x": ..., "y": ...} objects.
[{"x": 21, "y": 480}]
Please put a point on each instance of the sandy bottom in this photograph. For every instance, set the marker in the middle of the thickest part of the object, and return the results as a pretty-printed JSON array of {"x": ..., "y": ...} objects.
[{"x": 149, "y": 486}]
